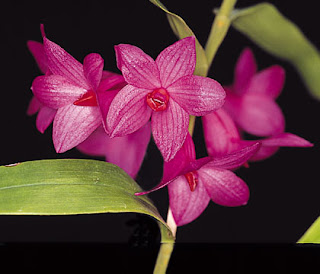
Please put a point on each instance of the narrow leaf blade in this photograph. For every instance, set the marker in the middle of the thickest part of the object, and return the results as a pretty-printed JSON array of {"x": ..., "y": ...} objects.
[
  {"x": 269, "y": 29},
  {"x": 72, "y": 186}
]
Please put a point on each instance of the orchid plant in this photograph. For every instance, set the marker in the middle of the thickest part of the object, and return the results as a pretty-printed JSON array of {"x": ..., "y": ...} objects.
[{"x": 117, "y": 114}]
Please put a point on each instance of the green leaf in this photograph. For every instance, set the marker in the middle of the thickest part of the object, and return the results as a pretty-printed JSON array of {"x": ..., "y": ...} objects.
[
  {"x": 72, "y": 186},
  {"x": 312, "y": 235},
  {"x": 181, "y": 30},
  {"x": 273, "y": 32}
]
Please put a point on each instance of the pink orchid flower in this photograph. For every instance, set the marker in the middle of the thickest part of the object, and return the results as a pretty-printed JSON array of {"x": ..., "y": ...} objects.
[
  {"x": 45, "y": 114},
  {"x": 164, "y": 89},
  {"x": 127, "y": 152},
  {"x": 222, "y": 137},
  {"x": 193, "y": 183},
  {"x": 80, "y": 94},
  {"x": 251, "y": 99}
]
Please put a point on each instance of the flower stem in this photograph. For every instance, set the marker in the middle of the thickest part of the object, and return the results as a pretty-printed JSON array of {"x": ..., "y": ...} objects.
[
  {"x": 219, "y": 29},
  {"x": 192, "y": 121},
  {"x": 163, "y": 258},
  {"x": 218, "y": 32}
]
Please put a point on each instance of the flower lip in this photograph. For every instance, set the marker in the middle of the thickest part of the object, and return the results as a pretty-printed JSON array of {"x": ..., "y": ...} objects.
[
  {"x": 192, "y": 179},
  {"x": 158, "y": 99},
  {"x": 88, "y": 99}
]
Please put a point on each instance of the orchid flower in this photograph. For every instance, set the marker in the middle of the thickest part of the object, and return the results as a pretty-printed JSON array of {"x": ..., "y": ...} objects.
[
  {"x": 164, "y": 89},
  {"x": 45, "y": 114},
  {"x": 193, "y": 183},
  {"x": 251, "y": 98},
  {"x": 80, "y": 94},
  {"x": 127, "y": 152},
  {"x": 222, "y": 137}
]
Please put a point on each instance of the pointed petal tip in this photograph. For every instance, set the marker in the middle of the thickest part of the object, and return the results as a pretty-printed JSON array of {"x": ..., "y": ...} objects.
[
  {"x": 247, "y": 51},
  {"x": 140, "y": 193},
  {"x": 43, "y": 34},
  {"x": 189, "y": 39}
]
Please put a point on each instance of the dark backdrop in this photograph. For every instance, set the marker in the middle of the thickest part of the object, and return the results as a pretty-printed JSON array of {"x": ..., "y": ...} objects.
[{"x": 284, "y": 189}]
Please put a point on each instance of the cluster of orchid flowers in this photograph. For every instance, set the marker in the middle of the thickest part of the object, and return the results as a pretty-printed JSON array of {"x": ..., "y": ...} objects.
[{"x": 102, "y": 113}]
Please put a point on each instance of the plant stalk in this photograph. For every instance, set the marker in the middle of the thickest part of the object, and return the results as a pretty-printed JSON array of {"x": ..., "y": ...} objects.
[
  {"x": 219, "y": 29},
  {"x": 218, "y": 32}
]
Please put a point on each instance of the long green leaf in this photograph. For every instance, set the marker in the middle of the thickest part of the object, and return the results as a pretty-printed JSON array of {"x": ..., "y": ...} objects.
[
  {"x": 273, "y": 32},
  {"x": 312, "y": 235},
  {"x": 70, "y": 186},
  {"x": 181, "y": 30}
]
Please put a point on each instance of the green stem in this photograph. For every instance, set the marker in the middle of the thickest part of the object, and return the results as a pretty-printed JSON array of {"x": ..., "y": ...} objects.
[
  {"x": 163, "y": 258},
  {"x": 218, "y": 32},
  {"x": 219, "y": 29},
  {"x": 192, "y": 122}
]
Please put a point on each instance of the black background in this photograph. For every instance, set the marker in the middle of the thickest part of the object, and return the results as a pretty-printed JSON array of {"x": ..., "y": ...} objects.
[{"x": 284, "y": 189}]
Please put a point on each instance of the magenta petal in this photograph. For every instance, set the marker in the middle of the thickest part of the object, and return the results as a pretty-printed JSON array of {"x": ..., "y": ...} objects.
[
  {"x": 107, "y": 74},
  {"x": 37, "y": 51},
  {"x": 186, "y": 205},
  {"x": 45, "y": 118},
  {"x": 260, "y": 116},
  {"x": 234, "y": 159},
  {"x": 197, "y": 95},
  {"x": 34, "y": 106},
  {"x": 96, "y": 144},
  {"x": 72, "y": 125},
  {"x": 269, "y": 82},
  {"x": 264, "y": 152},
  {"x": 128, "y": 111},
  {"x": 104, "y": 99},
  {"x": 220, "y": 133},
  {"x": 169, "y": 129},
  {"x": 245, "y": 69},
  {"x": 272, "y": 144},
  {"x": 110, "y": 85},
  {"x": 177, "y": 165},
  {"x": 183, "y": 157},
  {"x": 224, "y": 187},
  {"x": 128, "y": 152},
  {"x": 62, "y": 63},
  {"x": 177, "y": 60},
  {"x": 54, "y": 91},
  {"x": 92, "y": 69},
  {"x": 111, "y": 81},
  {"x": 138, "y": 68},
  {"x": 286, "y": 140}
]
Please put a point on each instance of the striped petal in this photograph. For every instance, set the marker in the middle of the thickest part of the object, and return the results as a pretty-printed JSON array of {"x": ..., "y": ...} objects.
[
  {"x": 128, "y": 111},
  {"x": 62, "y": 63},
  {"x": 138, "y": 68},
  {"x": 44, "y": 118},
  {"x": 197, "y": 95},
  {"x": 92, "y": 68},
  {"x": 72, "y": 125},
  {"x": 224, "y": 187},
  {"x": 55, "y": 91},
  {"x": 186, "y": 205},
  {"x": 177, "y": 165},
  {"x": 176, "y": 61},
  {"x": 169, "y": 129}
]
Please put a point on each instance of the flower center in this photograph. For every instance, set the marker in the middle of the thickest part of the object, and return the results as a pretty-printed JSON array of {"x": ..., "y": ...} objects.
[
  {"x": 192, "y": 179},
  {"x": 158, "y": 99},
  {"x": 87, "y": 100}
]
